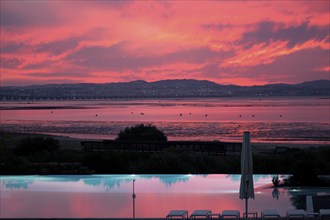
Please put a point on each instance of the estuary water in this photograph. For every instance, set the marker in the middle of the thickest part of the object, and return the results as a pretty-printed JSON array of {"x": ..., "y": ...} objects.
[{"x": 274, "y": 119}]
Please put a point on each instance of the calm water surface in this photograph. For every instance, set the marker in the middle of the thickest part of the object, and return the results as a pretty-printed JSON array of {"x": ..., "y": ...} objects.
[
  {"x": 296, "y": 119},
  {"x": 111, "y": 195}
]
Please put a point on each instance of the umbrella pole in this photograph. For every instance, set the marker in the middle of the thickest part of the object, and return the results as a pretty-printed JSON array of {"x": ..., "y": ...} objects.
[
  {"x": 246, "y": 200},
  {"x": 246, "y": 208}
]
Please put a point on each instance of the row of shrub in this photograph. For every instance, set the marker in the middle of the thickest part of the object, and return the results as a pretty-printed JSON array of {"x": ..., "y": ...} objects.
[{"x": 305, "y": 165}]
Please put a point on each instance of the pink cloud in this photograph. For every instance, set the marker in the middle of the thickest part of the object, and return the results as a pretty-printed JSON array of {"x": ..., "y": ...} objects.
[{"x": 85, "y": 41}]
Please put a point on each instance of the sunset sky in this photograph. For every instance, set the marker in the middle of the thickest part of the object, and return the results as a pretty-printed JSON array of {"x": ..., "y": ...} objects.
[{"x": 228, "y": 42}]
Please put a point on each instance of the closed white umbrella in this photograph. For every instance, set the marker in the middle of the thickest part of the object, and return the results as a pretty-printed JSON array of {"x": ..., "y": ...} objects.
[{"x": 246, "y": 190}]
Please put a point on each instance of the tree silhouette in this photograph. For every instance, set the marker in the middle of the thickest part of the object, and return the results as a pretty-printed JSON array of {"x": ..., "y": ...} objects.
[
  {"x": 141, "y": 132},
  {"x": 32, "y": 145}
]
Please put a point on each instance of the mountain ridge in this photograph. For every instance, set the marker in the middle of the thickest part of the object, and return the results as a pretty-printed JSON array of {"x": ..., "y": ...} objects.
[
  {"x": 163, "y": 89},
  {"x": 170, "y": 80}
]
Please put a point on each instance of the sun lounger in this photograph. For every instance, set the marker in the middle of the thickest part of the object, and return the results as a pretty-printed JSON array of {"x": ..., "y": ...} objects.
[
  {"x": 183, "y": 214},
  {"x": 200, "y": 214},
  {"x": 252, "y": 215},
  {"x": 270, "y": 214},
  {"x": 299, "y": 213},
  {"x": 324, "y": 213},
  {"x": 230, "y": 214},
  {"x": 214, "y": 216},
  {"x": 310, "y": 208}
]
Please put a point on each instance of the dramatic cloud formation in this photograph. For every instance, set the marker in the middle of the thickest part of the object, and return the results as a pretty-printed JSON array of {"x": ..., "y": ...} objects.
[
  {"x": 229, "y": 42},
  {"x": 269, "y": 31}
]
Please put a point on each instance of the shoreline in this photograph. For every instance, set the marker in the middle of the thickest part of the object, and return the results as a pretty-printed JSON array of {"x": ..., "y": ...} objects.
[{"x": 71, "y": 142}]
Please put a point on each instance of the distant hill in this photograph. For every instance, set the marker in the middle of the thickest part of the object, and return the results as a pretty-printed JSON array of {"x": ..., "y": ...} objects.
[
  {"x": 161, "y": 89},
  {"x": 315, "y": 84}
]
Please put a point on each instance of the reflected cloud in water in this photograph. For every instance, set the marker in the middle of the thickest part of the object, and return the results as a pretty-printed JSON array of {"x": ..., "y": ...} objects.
[
  {"x": 237, "y": 177},
  {"x": 169, "y": 180},
  {"x": 98, "y": 195},
  {"x": 106, "y": 182},
  {"x": 110, "y": 182},
  {"x": 16, "y": 184}
]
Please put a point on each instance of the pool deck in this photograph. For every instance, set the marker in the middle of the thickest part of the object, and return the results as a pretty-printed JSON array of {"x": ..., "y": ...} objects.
[{"x": 319, "y": 202}]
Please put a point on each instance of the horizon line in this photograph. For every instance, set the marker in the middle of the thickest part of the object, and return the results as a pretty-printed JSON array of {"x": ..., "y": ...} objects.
[{"x": 76, "y": 83}]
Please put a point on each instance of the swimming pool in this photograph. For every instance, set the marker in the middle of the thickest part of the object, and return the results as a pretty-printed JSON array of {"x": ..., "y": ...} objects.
[{"x": 110, "y": 196}]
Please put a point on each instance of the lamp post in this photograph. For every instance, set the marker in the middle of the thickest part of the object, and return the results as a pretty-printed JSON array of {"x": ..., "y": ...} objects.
[{"x": 133, "y": 196}]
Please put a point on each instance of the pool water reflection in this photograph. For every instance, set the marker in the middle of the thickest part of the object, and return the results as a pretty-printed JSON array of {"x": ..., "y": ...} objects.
[{"x": 110, "y": 196}]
